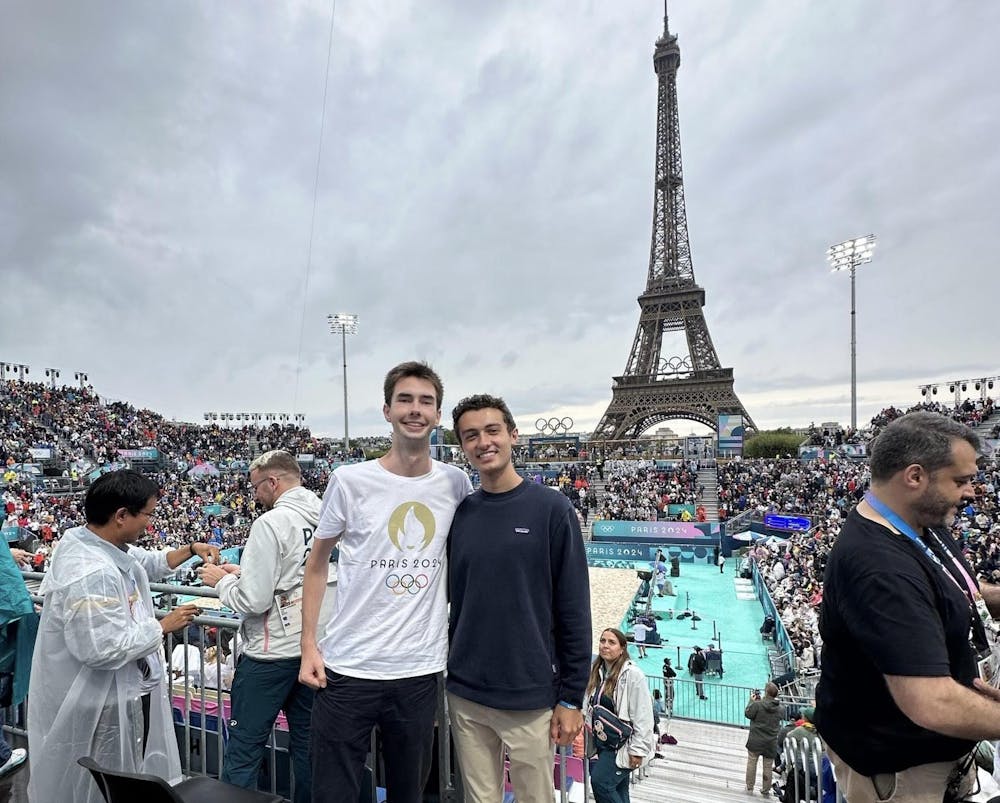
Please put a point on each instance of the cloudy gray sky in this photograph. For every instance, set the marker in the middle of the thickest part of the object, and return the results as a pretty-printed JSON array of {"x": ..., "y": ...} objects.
[{"x": 484, "y": 197}]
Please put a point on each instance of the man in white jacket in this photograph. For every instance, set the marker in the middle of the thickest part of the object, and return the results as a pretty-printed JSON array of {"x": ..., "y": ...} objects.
[{"x": 267, "y": 589}]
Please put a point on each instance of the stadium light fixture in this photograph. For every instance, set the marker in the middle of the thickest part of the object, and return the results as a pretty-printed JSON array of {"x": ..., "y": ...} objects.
[
  {"x": 53, "y": 375},
  {"x": 18, "y": 368},
  {"x": 82, "y": 378},
  {"x": 344, "y": 324},
  {"x": 848, "y": 255}
]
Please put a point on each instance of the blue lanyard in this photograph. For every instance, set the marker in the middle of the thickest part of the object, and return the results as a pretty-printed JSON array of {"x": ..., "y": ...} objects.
[{"x": 897, "y": 521}]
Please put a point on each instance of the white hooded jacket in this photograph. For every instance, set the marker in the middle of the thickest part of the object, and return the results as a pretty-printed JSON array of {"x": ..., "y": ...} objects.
[
  {"x": 634, "y": 704},
  {"x": 268, "y": 590},
  {"x": 97, "y": 653}
]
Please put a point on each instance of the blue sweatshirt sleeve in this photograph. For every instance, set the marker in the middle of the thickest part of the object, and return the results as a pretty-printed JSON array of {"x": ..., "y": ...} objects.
[{"x": 571, "y": 606}]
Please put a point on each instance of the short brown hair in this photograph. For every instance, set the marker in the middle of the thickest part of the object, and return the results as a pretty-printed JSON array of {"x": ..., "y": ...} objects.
[
  {"x": 420, "y": 370},
  {"x": 482, "y": 401}
]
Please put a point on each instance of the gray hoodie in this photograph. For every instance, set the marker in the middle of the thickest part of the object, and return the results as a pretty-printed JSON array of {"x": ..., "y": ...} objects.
[{"x": 268, "y": 590}]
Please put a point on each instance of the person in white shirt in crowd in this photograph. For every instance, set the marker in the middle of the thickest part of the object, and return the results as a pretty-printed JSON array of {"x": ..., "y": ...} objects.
[{"x": 639, "y": 631}]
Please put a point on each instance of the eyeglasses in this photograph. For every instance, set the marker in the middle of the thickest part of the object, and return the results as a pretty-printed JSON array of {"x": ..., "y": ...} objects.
[
  {"x": 259, "y": 482},
  {"x": 147, "y": 513}
]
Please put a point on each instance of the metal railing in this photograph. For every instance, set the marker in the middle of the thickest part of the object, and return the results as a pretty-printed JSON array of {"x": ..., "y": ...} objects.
[
  {"x": 802, "y": 759},
  {"x": 781, "y": 637},
  {"x": 725, "y": 704},
  {"x": 201, "y": 707},
  {"x": 740, "y": 523}
]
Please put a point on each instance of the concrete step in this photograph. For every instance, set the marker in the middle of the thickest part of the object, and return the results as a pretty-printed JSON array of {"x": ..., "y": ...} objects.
[{"x": 706, "y": 764}]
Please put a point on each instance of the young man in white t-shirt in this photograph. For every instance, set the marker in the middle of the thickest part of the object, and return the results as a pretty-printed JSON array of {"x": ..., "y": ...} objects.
[{"x": 381, "y": 654}]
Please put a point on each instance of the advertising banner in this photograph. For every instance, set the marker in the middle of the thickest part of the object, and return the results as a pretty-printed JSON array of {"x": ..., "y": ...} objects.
[
  {"x": 625, "y": 555},
  {"x": 618, "y": 552},
  {"x": 41, "y": 453},
  {"x": 139, "y": 454},
  {"x": 652, "y": 530},
  {"x": 731, "y": 432},
  {"x": 852, "y": 450}
]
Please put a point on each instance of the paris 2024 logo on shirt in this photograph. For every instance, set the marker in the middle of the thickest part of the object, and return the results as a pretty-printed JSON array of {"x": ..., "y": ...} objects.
[{"x": 411, "y": 531}]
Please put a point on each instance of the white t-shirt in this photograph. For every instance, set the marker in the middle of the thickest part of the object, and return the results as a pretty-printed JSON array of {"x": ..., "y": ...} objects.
[
  {"x": 194, "y": 662},
  {"x": 391, "y": 616}
]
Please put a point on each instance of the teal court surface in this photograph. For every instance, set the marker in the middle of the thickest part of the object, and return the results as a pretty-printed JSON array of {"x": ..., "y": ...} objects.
[{"x": 730, "y": 618}]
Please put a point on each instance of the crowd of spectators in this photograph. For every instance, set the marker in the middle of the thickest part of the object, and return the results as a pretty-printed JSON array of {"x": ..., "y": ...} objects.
[
  {"x": 970, "y": 412},
  {"x": 793, "y": 568},
  {"x": 80, "y": 426},
  {"x": 832, "y": 436},
  {"x": 638, "y": 490},
  {"x": 84, "y": 433},
  {"x": 826, "y": 489}
]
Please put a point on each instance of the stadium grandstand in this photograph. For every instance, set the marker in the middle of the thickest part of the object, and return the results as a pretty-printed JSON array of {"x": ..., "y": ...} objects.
[{"x": 55, "y": 441}]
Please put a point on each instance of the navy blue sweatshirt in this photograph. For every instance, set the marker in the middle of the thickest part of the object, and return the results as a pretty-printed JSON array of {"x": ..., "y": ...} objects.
[{"x": 520, "y": 600}]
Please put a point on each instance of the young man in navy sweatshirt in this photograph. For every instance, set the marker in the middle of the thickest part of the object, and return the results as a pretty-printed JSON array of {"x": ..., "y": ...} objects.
[{"x": 520, "y": 636}]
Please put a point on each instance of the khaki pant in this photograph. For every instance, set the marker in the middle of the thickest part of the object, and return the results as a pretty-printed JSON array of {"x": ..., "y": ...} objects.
[
  {"x": 480, "y": 734},
  {"x": 765, "y": 788},
  {"x": 922, "y": 784}
]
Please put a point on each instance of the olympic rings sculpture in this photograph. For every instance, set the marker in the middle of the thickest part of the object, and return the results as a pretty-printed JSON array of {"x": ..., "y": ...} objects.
[{"x": 554, "y": 425}]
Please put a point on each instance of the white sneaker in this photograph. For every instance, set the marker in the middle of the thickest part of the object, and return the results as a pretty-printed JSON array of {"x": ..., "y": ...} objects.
[{"x": 17, "y": 758}]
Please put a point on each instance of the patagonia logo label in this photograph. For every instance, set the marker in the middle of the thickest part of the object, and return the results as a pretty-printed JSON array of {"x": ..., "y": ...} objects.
[{"x": 522, "y": 530}]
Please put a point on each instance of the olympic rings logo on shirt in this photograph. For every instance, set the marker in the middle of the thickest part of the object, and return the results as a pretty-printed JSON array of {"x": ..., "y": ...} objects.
[{"x": 406, "y": 584}]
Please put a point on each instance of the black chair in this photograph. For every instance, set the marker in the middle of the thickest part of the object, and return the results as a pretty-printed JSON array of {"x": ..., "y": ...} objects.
[
  {"x": 128, "y": 787},
  {"x": 713, "y": 666}
]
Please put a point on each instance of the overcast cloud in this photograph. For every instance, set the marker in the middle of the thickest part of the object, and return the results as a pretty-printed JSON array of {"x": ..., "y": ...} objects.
[{"x": 484, "y": 197}]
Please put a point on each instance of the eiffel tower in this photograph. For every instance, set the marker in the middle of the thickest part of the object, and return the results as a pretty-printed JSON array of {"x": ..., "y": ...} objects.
[{"x": 656, "y": 388}]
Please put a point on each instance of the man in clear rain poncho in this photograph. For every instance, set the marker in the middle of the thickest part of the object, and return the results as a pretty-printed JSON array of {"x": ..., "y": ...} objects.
[{"x": 98, "y": 684}]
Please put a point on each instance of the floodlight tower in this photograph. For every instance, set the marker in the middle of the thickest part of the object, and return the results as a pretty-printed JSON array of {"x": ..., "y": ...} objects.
[
  {"x": 344, "y": 324},
  {"x": 848, "y": 255},
  {"x": 18, "y": 368}
]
